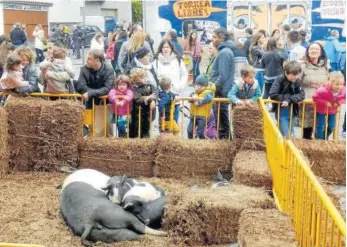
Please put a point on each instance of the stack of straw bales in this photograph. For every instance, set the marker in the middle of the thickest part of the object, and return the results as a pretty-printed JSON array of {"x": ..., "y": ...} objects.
[{"x": 4, "y": 159}]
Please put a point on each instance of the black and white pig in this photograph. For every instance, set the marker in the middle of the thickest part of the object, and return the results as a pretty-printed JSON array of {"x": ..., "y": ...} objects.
[{"x": 93, "y": 217}]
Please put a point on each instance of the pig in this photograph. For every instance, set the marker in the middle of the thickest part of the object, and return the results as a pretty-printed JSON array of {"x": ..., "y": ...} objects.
[
  {"x": 93, "y": 217},
  {"x": 117, "y": 187}
]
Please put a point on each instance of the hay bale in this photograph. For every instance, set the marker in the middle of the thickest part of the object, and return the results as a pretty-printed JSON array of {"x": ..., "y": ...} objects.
[
  {"x": 327, "y": 158},
  {"x": 178, "y": 158},
  {"x": 211, "y": 216},
  {"x": 251, "y": 168},
  {"x": 23, "y": 119},
  {"x": 253, "y": 144},
  {"x": 247, "y": 123},
  {"x": 4, "y": 154},
  {"x": 270, "y": 228},
  {"x": 59, "y": 129},
  {"x": 133, "y": 157}
]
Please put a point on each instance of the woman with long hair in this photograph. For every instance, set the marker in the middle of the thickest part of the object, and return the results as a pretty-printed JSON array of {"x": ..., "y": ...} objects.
[
  {"x": 193, "y": 48},
  {"x": 276, "y": 33},
  {"x": 39, "y": 35},
  {"x": 98, "y": 42},
  {"x": 315, "y": 74},
  {"x": 256, "y": 51}
]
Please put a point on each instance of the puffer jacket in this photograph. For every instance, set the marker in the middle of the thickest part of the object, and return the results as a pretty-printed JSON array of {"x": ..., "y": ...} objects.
[
  {"x": 324, "y": 95},
  {"x": 202, "y": 107},
  {"x": 128, "y": 96},
  {"x": 241, "y": 91}
]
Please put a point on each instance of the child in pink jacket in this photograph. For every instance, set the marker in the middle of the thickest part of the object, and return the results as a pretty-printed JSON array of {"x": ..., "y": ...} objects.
[
  {"x": 121, "y": 97},
  {"x": 329, "y": 98}
]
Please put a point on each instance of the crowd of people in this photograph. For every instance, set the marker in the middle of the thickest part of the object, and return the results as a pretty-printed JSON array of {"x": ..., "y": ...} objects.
[{"x": 127, "y": 68}]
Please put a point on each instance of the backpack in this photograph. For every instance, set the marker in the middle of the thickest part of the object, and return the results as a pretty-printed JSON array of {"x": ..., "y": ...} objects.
[{"x": 111, "y": 51}]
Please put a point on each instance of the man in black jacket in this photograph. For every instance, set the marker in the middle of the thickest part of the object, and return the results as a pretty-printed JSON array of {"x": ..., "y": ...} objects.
[
  {"x": 17, "y": 36},
  {"x": 77, "y": 38},
  {"x": 249, "y": 33},
  {"x": 96, "y": 78}
]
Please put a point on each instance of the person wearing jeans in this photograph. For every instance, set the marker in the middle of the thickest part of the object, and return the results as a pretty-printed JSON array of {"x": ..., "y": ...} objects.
[
  {"x": 284, "y": 121},
  {"x": 321, "y": 127},
  {"x": 193, "y": 48}
]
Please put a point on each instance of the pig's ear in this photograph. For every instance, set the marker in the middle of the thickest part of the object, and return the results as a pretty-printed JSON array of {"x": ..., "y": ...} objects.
[
  {"x": 129, "y": 205},
  {"x": 122, "y": 180},
  {"x": 106, "y": 187}
]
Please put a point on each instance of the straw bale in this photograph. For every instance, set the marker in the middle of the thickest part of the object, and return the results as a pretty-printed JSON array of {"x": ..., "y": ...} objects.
[
  {"x": 178, "y": 158},
  {"x": 253, "y": 144},
  {"x": 59, "y": 129},
  {"x": 270, "y": 228},
  {"x": 327, "y": 158},
  {"x": 4, "y": 154},
  {"x": 23, "y": 119},
  {"x": 247, "y": 123},
  {"x": 133, "y": 157},
  {"x": 211, "y": 216},
  {"x": 251, "y": 168}
]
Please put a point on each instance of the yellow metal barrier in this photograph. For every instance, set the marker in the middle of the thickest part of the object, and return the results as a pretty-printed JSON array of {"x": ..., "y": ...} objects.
[{"x": 298, "y": 193}]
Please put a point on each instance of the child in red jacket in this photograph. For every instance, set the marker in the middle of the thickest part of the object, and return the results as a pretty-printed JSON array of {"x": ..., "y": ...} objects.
[{"x": 328, "y": 98}]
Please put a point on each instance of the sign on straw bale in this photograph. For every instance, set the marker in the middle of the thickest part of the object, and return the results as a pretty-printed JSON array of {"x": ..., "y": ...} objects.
[
  {"x": 178, "y": 158},
  {"x": 133, "y": 157},
  {"x": 23, "y": 119},
  {"x": 270, "y": 228},
  {"x": 327, "y": 158},
  {"x": 247, "y": 123},
  {"x": 251, "y": 168},
  {"x": 43, "y": 135},
  {"x": 211, "y": 216},
  {"x": 59, "y": 129},
  {"x": 4, "y": 154}
]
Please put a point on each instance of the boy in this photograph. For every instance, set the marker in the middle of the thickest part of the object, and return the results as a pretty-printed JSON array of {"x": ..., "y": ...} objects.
[
  {"x": 166, "y": 98},
  {"x": 287, "y": 90},
  {"x": 246, "y": 90},
  {"x": 200, "y": 107}
]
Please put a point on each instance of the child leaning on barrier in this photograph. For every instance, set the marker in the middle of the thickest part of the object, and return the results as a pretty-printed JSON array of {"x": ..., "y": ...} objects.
[
  {"x": 121, "y": 97},
  {"x": 12, "y": 78},
  {"x": 57, "y": 73},
  {"x": 328, "y": 98},
  {"x": 144, "y": 103},
  {"x": 287, "y": 90},
  {"x": 165, "y": 100},
  {"x": 200, "y": 107},
  {"x": 246, "y": 90}
]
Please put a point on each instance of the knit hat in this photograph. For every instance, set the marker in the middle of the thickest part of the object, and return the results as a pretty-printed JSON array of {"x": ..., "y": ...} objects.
[
  {"x": 202, "y": 80},
  {"x": 141, "y": 52}
]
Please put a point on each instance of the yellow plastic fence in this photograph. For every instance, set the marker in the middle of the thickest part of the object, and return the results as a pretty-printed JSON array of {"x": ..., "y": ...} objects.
[{"x": 298, "y": 193}]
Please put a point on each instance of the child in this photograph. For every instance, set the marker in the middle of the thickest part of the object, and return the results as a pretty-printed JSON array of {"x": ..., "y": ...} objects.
[
  {"x": 288, "y": 91},
  {"x": 166, "y": 97},
  {"x": 247, "y": 90},
  {"x": 329, "y": 98},
  {"x": 12, "y": 78},
  {"x": 121, "y": 106},
  {"x": 57, "y": 73},
  {"x": 144, "y": 97},
  {"x": 200, "y": 107}
]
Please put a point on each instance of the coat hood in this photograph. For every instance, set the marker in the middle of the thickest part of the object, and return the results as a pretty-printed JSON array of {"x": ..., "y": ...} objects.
[{"x": 231, "y": 45}]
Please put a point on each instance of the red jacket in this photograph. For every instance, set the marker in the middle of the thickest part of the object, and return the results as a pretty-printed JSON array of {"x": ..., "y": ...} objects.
[
  {"x": 127, "y": 99},
  {"x": 324, "y": 95}
]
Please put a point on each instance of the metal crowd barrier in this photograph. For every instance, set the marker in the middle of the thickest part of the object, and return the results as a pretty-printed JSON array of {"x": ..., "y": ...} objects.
[
  {"x": 303, "y": 106},
  {"x": 298, "y": 193}
]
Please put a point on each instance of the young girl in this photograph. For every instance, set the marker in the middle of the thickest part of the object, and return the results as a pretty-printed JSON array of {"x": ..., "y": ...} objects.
[
  {"x": 144, "y": 97},
  {"x": 121, "y": 106},
  {"x": 328, "y": 98},
  {"x": 12, "y": 78}
]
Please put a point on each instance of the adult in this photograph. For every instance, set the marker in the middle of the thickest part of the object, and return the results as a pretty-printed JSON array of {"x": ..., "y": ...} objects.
[
  {"x": 17, "y": 36},
  {"x": 276, "y": 33},
  {"x": 131, "y": 44},
  {"x": 249, "y": 35},
  {"x": 77, "y": 38},
  {"x": 172, "y": 36},
  {"x": 97, "y": 42},
  {"x": 272, "y": 63},
  {"x": 150, "y": 41},
  {"x": 57, "y": 36},
  {"x": 285, "y": 30},
  {"x": 303, "y": 40},
  {"x": 96, "y": 77},
  {"x": 296, "y": 51},
  {"x": 333, "y": 49},
  {"x": 193, "y": 48},
  {"x": 5, "y": 48},
  {"x": 256, "y": 51},
  {"x": 240, "y": 56},
  {"x": 212, "y": 51},
  {"x": 222, "y": 75},
  {"x": 121, "y": 38},
  {"x": 315, "y": 74},
  {"x": 39, "y": 35},
  {"x": 29, "y": 70},
  {"x": 169, "y": 63},
  {"x": 142, "y": 60}
]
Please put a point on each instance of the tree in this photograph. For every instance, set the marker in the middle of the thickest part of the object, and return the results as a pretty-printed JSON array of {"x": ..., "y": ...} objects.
[{"x": 137, "y": 10}]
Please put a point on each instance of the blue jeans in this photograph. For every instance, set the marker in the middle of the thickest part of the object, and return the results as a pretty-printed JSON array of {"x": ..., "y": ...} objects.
[
  {"x": 260, "y": 78},
  {"x": 320, "y": 129},
  {"x": 284, "y": 120},
  {"x": 196, "y": 68},
  {"x": 121, "y": 125},
  {"x": 200, "y": 123}
]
